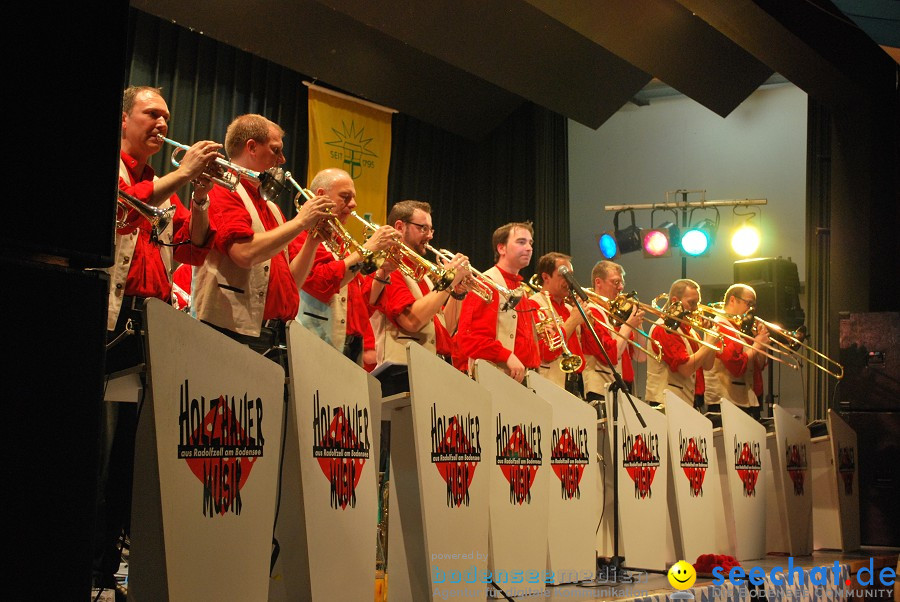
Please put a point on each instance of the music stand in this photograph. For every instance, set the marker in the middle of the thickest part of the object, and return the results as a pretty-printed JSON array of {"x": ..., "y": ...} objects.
[{"x": 616, "y": 564}]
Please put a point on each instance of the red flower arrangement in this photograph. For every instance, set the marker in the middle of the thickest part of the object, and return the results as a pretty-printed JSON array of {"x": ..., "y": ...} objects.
[{"x": 707, "y": 562}]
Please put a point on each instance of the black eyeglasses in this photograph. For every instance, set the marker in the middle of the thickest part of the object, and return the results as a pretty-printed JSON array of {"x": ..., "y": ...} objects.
[
  {"x": 750, "y": 303},
  {"x": 425, "y": 228}
]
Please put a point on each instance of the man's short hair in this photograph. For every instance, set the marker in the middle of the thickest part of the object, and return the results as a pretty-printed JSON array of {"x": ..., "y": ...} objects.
[
  {"x": 403, "y": 210},
  {"x": 247, "y": 127},
  {"x": 131, "y": 93},
  {"x": 547, "y": 263},
  {"x": 326, "y": 178},
  {"x": 501, "y": 235},
  {"x": 738, "y": 290},
  {"x": 679, "y": 286},
  {"x": 603, "y": 268}
]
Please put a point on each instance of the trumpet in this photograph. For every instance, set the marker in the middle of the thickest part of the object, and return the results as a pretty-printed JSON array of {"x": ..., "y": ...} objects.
[
  {"x": 228, "y": 174},
  {"x": 477, "y": 283},
  {"x": 550, "y": 326},
  {"x": 410, "y": 263},
  {"x": 159, "y": 218},
  {"x": 334, "y": 236},
  {"x": 620, "y": 310}
]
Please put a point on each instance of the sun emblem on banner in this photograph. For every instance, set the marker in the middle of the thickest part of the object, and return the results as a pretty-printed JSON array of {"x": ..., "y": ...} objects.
[{"x": 354, "y": 152}]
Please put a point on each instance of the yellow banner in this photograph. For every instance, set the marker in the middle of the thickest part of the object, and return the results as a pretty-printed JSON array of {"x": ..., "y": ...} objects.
[{"x": 356, "y": 137}]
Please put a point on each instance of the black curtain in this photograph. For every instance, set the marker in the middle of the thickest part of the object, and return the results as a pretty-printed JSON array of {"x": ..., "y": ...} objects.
[{"x": 517, "y": 173}]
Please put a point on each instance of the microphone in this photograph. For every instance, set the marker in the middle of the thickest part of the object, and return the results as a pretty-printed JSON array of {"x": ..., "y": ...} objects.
[{"x": 566, "y": 273}]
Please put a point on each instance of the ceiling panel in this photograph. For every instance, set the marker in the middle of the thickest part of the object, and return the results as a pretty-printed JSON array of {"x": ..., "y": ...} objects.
[
  {"x": 662, "y": 37},
  {"x": 514, "y": 45}
]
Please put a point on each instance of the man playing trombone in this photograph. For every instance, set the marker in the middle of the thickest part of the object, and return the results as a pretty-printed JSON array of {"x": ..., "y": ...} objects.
[
  {"x": 248, "y": 286},
  {"x": 608, "y": 279},
  {"x": 407, "y": 309},
  {"x": 331, "y": 299},
  {"x": 738, "y": 367},
  {"x": 502, "y": 331},
  {"x": 684, "y": 355},
  {"x": 558, "y": 360}
]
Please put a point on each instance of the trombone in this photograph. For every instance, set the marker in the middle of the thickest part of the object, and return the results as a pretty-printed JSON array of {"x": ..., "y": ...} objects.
[
  {"x": 620, "y": 310},
  {"x": 410, "y": 263},
  {"x": 674, "y": 314},
  {"x": 477, "y": 283},
  {"x": 228, "y": 174},
  {"x": 159, "y": 218},
  {"x": 789, "y": 343},
  {"x": 745, "y": 327},
  {"x": 550, "y": 326},
  {"x": 335, "y": 237}
]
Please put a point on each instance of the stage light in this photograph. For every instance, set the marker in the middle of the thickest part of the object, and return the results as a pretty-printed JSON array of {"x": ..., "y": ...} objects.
[
  {"x": 608, "y": 246},
  {"x": 745, "y": 241},
  {"x": 628, "y": 239},
  {"x": 655, "y": 243},
  {"x": 658, "y": 240},
  {"x": 699, "y": 238}
]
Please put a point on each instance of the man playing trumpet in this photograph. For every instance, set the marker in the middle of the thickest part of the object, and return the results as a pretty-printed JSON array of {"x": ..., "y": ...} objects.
[
  {"x": 331, "y": 299},
  {"x": 407, "y": 310},
  {"x": 554, "y": 291},
  {"x": 248, "y": 286},
  {"x": 142, "y": 269}
]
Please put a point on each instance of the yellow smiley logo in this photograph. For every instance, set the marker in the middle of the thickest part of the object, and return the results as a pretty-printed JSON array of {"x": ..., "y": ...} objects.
[{"x": 682, "y": 575}]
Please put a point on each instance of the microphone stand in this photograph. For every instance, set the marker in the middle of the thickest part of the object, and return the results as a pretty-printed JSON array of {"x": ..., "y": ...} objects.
[{"x": 616, "y": 563}]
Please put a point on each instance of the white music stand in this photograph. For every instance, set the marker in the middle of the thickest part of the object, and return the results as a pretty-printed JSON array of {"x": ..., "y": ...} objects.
[
  {"x": 327, "y": 518},
  {"x": 206, "y": 464},
  {"x": 574, "y": 498}
]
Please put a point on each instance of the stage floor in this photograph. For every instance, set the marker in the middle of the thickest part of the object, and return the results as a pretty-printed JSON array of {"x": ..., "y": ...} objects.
[{"x": 655, "y": 586}]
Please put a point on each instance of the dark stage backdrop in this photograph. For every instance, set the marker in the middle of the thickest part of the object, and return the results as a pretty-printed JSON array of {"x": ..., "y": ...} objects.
[{"x": 519, "y": 172}]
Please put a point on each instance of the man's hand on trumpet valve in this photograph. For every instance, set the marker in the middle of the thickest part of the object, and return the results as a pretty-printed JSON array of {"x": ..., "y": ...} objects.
[
  {"x": 459, "y": 263},
  {"x": 202, "y": 184},
  {"x": 314, "y": 210},
  {"x": 198, "y": 158},
  {"x": 383, "y": 238}
]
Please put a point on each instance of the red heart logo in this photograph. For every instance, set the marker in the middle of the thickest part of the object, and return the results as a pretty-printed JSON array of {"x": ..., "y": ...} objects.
[
  {"x": 222, "y": 477},
  {"x": 568, "y": 465},
  {"x": 457, "y": 475},
  {"x": 342, "y": 471}
]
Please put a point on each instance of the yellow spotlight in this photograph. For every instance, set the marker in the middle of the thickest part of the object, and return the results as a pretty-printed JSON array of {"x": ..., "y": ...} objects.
[{"x": 745, "y": 241}]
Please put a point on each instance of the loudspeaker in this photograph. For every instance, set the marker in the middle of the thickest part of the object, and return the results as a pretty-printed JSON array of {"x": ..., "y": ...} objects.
[
  {"x": 878, "y": 438},
  {"x": 871, "y": 360},
  {"x": 777, "y": 286},
  {"x": 55, "y": 342},
  {"x": 69, "y": 111}
]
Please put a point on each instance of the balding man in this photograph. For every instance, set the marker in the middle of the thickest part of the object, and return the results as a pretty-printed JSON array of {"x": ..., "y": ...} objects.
[
  {"x": 332, "y": 303},
  {"x": 682, "y": 354},
  {"x": 738, "y": 365}
]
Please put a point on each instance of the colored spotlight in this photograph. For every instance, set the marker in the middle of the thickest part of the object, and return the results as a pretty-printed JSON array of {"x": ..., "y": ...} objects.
[
  {"x": 695, "y": 242},
  {"x": 608, "y": 246},
  {"x": 655, "y": 242},
  {"x": 745, "y": 241}
]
